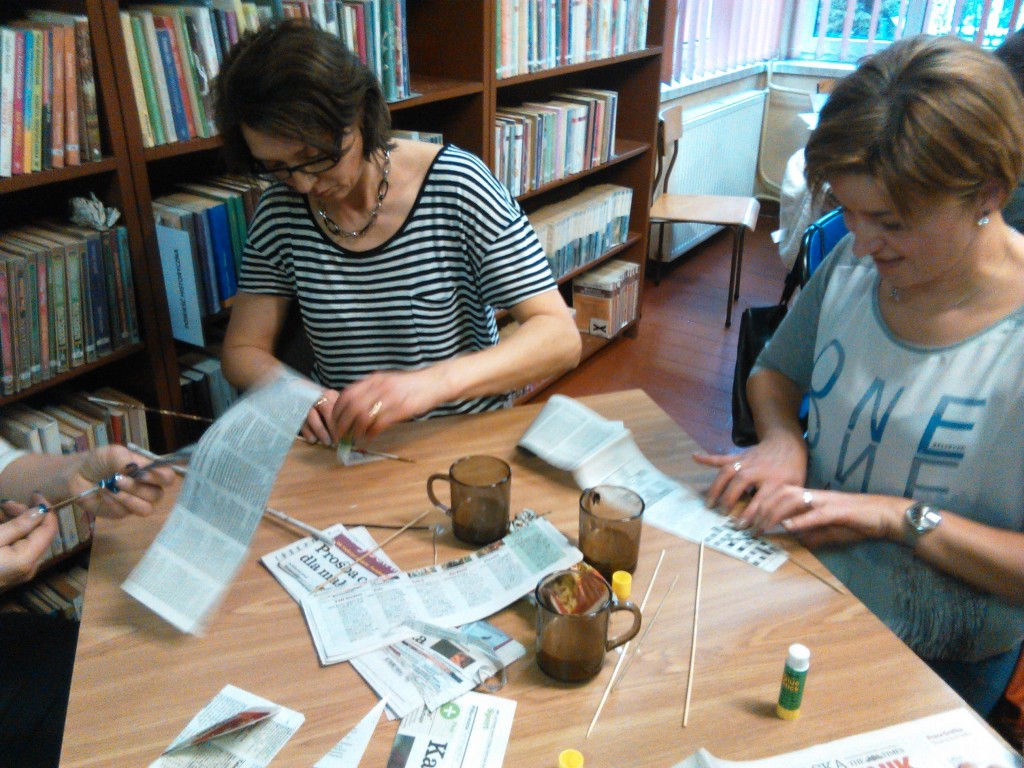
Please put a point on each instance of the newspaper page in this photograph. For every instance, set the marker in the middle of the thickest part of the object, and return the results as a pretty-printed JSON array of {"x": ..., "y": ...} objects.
[
  {"x": 251, "y": 747},
  {"x": 187, "y": 570},
  {"x": 940, "y": 741},
  {"x": 570, "y": 436},
  {"x": 349, "y": 751},
  {"x": 473, "y": 731},
  {"x": 347, "y": 621}
]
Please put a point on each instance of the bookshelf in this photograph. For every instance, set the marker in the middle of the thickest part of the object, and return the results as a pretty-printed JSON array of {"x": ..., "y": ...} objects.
[{"x": 457, "y": 96}]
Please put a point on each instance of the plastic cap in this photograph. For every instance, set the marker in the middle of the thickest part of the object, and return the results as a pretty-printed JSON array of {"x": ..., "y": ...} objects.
[
  {"x": 799, "y": 657},
  {"x": 570, "y": 758},
  {"x": 622, "y": 583}
]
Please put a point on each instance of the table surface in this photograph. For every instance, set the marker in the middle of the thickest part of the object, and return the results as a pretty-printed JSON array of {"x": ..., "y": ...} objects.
[{"x": 138, "y": 681}]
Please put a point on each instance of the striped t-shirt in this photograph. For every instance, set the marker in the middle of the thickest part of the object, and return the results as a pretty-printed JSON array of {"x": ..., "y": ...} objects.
[{"x": 425, "y": 295}]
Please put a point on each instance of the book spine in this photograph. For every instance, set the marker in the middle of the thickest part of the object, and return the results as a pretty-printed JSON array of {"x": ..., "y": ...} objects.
[
  {"x": 56, "y": 277},
  {"x": 20, "y": 330},
  {"x": 165, "y": 29},
  {"x": 32, "y": 318},
  {"x": 135, "y": 73},
  {"x": 119, "y": 334},
  {"x": 18, "y": 106},
  {"x": 87, "y": 88},
  {"x": 148, "y": 85},
  {"x": 30, "y": 101},
  {"x": 7, "y": 67},
  {"x": 7, "y": 365},
  {"x": 173, "y": 91},
  {"x": 44, "y": 72},
  {"x": 98, "y": 302},
  {"x": 76, "y": 313},
  {"x": 43, "y": 311},
  {"x": 128, "y": 284},
  {"x": 59, "y": 105},
  {"x": 72, "y": 108}
]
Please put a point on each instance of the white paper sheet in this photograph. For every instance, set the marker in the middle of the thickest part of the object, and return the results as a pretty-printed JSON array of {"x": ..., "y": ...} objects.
[
  {"x": 188, "y": 568},
  {"x": 349, "y": 751}
]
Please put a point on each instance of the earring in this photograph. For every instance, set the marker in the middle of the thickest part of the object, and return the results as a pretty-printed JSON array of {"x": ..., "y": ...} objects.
[{"x": 983, "y": 220}]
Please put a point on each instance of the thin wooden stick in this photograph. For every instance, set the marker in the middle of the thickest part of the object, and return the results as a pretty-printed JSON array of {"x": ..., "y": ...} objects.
[
  {"x": 622, "y": 656},
  {"x": 693, "y": 639},
  {"x": 365, "y": 555},
  {"x": 636, "y": 651}
]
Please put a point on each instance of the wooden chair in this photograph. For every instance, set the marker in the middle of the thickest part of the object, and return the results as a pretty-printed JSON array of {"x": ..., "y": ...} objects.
[{"x": 735, "y": 213}]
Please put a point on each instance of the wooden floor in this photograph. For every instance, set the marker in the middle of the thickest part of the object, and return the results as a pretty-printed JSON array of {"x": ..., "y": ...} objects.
[{"x": 683, "y": 356}]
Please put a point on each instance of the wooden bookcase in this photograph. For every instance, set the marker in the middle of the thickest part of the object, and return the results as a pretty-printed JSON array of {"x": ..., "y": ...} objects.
[
  {"x": 143, "y": 369},
  {"x": 453, "y": 74}
]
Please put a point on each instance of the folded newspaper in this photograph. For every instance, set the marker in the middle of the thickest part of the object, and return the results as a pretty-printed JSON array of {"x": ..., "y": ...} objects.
[
  {"x": 570, "y": 436},
  {"x": 946, "y": 740}
]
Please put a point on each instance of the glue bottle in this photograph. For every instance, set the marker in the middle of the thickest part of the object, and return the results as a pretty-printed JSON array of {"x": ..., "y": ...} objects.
[
  {"x": 793, "y": 678},
  {"x": 622, "y": 583},
  {"x": 570, "y": 758}
]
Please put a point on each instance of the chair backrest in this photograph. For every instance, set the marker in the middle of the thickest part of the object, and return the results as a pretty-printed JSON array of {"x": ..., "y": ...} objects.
[
  {"x": 819, "y": 240},
  {"x": 670, "y": 130}
]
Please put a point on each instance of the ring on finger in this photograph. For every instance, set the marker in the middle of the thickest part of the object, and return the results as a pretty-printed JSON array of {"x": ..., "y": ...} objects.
[
  {"x": 808, "y": 499},
  {"x": 375, "y": 409},
  {"x": 737, "y": 467}
]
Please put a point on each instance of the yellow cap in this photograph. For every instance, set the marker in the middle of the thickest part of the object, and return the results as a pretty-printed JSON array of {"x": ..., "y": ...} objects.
[
  {"x": 570, "y": 758},
  {"x": 622, "y": 583}
]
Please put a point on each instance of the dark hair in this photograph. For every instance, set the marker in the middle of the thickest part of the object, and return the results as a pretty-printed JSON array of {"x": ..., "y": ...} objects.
[
  {"x": 1011, "y": 53},
  {"x": 294, "y": 81},
  {"x": 925, "y": 117}
]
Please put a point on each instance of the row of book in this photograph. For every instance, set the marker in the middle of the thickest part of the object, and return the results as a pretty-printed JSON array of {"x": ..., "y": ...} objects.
[
  {"x": 605, "y": 298},
  {"x": 201, "y": 231},
  {"x": 537, "y": 143},
  {"x": 59, "y": 592},
  {"x": 205, "y": 392},
  {"x": 534, "y": 35},
  {"x": 174, "y": 53},
  {"x": 49, "y": 116},
  {"x": 582, "y": 228},
  {"x": 67, "y": 297},
  {"x": 375, "y": 30}
]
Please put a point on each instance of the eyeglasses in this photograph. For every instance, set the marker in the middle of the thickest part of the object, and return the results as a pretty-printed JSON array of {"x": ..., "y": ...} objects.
[{"x": 317, "y": 165}]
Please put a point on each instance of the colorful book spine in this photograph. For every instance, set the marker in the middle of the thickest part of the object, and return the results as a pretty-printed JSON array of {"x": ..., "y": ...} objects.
[
  {"x": 148, "y": 80},
  {"x": 59, "y": 104},
  {"x": 7, "y": 366},
  {"x": 135, "y": 73},
  {"x": 128, "y": 287},
  {"x": 8, "y": 44},
  {"x": 174, "y": 67},
  {"x": 30, "y": 102},
  {"x": 163, "y": 41},
  {"x": 87, "y": 88},
  {"x": 18, "y": 106}
]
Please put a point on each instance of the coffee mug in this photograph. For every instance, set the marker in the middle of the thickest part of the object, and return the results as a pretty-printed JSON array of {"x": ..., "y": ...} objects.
[
  {"x": 611, "y": 519},
  {"x": 572, "y": 647},
  {"x": 481, "y": 487}
]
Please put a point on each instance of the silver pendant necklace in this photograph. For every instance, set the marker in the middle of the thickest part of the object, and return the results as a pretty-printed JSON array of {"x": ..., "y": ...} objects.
[
  {"x": 382, "y": 192},
  {"x": 894, "y": 294}
]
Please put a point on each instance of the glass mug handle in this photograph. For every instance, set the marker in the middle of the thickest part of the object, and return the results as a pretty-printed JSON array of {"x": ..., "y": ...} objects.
[
  {"x": 430, "y": 492},
  {"x": 629, "y": 634}
]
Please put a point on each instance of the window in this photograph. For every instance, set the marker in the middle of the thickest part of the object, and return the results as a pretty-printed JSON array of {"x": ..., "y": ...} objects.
[{"x": 846, "y": 30}]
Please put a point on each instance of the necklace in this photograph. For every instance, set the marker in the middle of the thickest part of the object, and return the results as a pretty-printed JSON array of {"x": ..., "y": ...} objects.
[
  {"x": 382, "y": 192},
  {"x": 894, "y": 294}
]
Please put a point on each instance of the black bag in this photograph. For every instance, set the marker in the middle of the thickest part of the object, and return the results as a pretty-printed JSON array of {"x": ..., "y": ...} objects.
[{"x": 757, "y": 325}]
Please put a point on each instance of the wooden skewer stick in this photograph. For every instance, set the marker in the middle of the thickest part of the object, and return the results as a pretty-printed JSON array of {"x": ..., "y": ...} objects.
[
  {"x": 636, "y": 651},
  {"x": 365, "y": 555},
  {"x": 693, "y": 639},
  {"x": 622, "y": 656}
]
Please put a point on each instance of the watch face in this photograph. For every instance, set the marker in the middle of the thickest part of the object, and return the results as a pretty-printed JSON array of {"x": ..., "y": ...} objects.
[{"x": 923, "y": 518}]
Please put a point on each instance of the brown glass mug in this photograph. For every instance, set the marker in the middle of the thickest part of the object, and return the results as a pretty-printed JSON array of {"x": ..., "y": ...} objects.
[
  {"x": 572, "y": 647},
  {"x": 611, "y": 520},
  {"x": 481, "y": 489}
]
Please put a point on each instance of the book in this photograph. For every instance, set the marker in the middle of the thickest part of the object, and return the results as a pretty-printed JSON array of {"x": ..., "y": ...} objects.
[
  {"x": 20, "y": 434},
  {"x": 135, "y": 74},
  {"x": 180, "y": 283},
  {"x": 33, "y": 87},
  {"x": 8, "y": 44},
  {"x": 138, "y": 430},
  {"x": 18, "y": 105},
  {"x": 156, "y": 68},
  {"x": 8, "y": 371},
  {"x": 79, "y": 437},
  {"x": 20, "y": 326},
  {"x": 64, "y": 276},
  {"x": 236, "y": 216},
  {"x": 185, "y": 220},
  {"x": 220, "y": 240},
  {"x": 49, "y": 435},
  {"x": 148, "y": 80},
  {"x": 178, "y": 115},
  {"x": 124, "y": 257},
  {"x": 168, "y": 18}
]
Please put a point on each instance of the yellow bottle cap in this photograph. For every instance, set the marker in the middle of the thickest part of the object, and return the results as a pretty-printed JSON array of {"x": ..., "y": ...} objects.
[
  {"x": 570, "y": 758},
  {"x": 622, "y": 583}
]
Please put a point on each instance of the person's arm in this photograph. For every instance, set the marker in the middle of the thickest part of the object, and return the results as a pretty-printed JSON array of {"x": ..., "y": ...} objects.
[
  {"x": 25, "y": 536},
  {"x": 545, "y": 344},
  {"x": 248, "y": 355}
]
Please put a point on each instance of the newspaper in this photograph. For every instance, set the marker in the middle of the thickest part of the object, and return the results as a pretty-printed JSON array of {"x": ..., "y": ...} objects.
[
  {"x": 473, "y": 731},
  {"x": 187, "y": 570},
  {"x": 939, "y": 741},
  {"x": 252, "y": 747},
  {"x": 349, "y": 751},
  {"x": 346, "y": 621},
  {"x": 570, "y": 436}
]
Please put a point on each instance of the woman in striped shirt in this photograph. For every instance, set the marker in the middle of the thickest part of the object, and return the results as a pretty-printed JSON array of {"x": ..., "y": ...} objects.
[{"x": 398, "y": 252}]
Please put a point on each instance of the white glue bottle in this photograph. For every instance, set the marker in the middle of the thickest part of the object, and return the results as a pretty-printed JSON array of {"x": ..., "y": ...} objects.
[{"x": 793, "y": 678}]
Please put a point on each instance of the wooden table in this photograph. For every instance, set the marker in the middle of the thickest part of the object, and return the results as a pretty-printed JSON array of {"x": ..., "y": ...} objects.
[{"x": 137, "y": 681}]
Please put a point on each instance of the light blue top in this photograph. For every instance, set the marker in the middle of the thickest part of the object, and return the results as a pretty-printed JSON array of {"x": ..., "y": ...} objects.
[{"x": 943, "y": 425}]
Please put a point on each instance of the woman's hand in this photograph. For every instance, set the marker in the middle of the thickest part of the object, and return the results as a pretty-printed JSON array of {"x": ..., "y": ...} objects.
[
  {"x": 317, "y": 427},
  {"x": 134, "y": 496},
  {"x": 773, "y": 462},
  {"x": 371, "y": 405},
  {"x": 25, "y": 538},
  {"x": 820, "y": 518}
]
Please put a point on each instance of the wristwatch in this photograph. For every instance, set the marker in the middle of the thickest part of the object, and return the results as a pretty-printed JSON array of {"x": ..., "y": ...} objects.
[{"x": 920, "y": 518}]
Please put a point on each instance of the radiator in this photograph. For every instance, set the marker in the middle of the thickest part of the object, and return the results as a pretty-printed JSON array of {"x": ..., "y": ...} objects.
[{"x": 717, "y": 156}]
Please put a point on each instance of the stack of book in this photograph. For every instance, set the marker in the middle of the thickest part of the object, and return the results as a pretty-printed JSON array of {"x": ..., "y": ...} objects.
[
  {"x": 174, "y": 54},
  {"x": 375, "y": 30},
  {"x": 49, "y": 116},
  {"x": 201, "y": 231},
  {"x": 605, "y": 298},
  {"x": 534, "y": 35},
  {"x": 58, "y": 592},
  {"x": 67, "y": 297},
  {"x": 427, "y": 136},
  {"x": 539, "y": 143},
  {"x": 579, "y": 230},
  {"x": 205, "y": 392}
]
